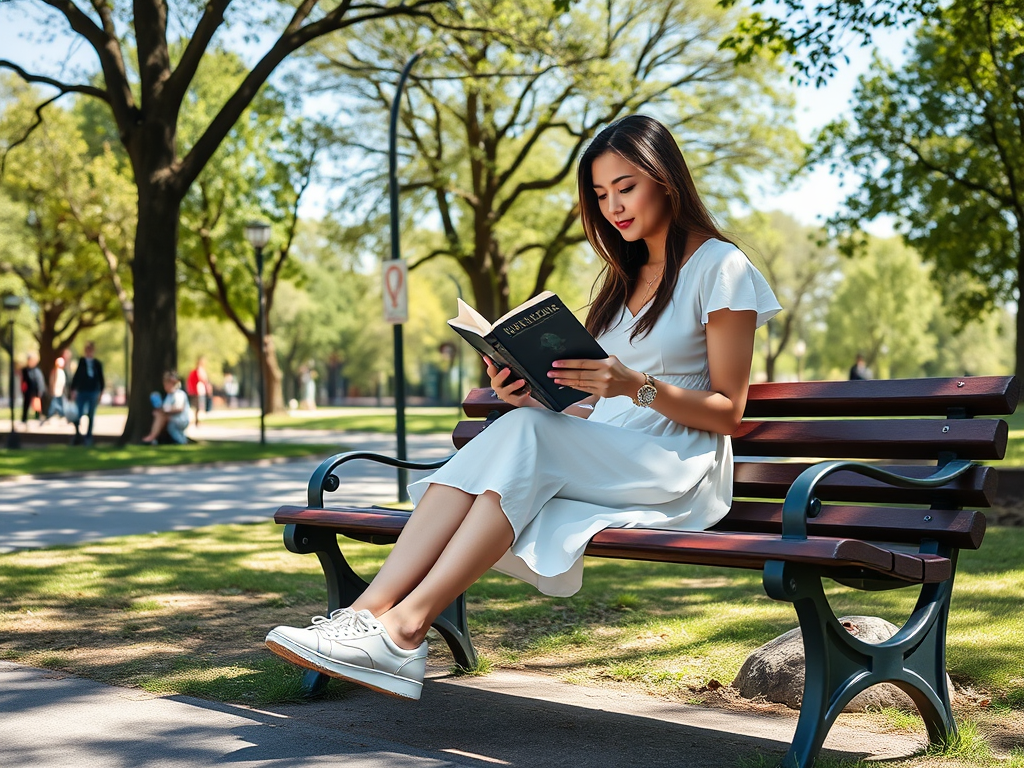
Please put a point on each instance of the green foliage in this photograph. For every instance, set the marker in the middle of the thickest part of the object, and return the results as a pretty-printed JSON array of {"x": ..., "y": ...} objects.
[
  {"x": 883, "y": 309},
  {"x": 68, "y": 220},
  {"x": 938, "y": 144},
  {"x": 803, "y": 273},
  {"x": 494, "y": 125}
]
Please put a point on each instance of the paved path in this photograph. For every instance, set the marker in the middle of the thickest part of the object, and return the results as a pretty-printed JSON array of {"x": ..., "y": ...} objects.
[
  {"x": 40, "y": 512},
  {"x": 506, "y": 718}
]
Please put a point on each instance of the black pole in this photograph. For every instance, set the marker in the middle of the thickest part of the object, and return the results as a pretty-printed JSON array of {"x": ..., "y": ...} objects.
[
  {"x": 261, "y": 323},
  {"x": 13, "y": 439},
  {"x": 403, "y": 474}
]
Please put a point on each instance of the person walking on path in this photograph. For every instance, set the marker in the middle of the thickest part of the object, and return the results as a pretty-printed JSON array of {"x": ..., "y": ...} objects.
[
  {"x": 33, "y": 389},
  {"x": 198, "y": 387},
  {"x": 648, "y": 447},
  {"x": 86, "y": 387}
]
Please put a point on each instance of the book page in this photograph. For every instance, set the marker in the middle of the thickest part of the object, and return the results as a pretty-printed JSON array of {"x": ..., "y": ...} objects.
[{"x": 470, "y": 320}]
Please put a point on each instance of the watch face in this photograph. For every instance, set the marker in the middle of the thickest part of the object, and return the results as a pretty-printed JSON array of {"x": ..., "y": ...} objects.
[{"x": 645, "y": 396}]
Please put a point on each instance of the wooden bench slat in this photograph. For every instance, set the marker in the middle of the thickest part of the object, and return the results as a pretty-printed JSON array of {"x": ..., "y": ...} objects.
[
  {"x": 964, "y": 529},
  {"x": 739, "y": 550},
  {"x": 748, "y": 550},
  {"x": 978, "y": 396},
  {"x": 869, "y": 439},
  {"x": 763, "y": 480},
  {"x": 873, "y": 438}
]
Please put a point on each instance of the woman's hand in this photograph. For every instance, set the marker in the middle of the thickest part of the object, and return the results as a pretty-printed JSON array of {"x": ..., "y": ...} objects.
[
  {"x": 604, "y": 378},
  {"x": 512, "y": 391}
]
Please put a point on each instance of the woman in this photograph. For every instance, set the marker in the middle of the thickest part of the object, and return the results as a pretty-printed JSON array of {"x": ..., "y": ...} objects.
[{"x": 648, "y": 448}]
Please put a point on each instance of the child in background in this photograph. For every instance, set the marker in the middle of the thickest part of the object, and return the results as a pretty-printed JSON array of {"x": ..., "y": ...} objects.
[{"x": 170, "y": 411}]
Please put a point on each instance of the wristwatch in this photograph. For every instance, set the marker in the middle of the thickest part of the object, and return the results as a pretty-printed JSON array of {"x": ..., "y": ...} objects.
[{"x": 646, "y": 394}]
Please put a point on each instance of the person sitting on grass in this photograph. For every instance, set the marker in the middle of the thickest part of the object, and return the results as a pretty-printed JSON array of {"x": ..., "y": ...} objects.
[{"x": 170, "y": 412}]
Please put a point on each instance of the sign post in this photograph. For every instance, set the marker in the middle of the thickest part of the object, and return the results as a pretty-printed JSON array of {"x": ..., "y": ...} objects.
[{"x": 396, "y": 280}]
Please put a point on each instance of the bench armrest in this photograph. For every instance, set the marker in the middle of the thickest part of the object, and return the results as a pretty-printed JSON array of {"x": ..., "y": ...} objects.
[
  {"x": 324, "y": 479},
  {"x": 801, "y": 501}
]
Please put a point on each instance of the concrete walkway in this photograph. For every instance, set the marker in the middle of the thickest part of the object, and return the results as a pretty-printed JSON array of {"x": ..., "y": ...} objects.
[
  {"x": 41, "y": 512},
  {"x": 506, "y": 718}
]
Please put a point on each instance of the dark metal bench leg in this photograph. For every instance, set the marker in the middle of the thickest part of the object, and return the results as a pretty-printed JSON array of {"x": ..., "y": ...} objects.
[
  {"x": 839, "y": 666},
  {"x": 455, "y": 630},
  {"x": 343, "y": 584}
]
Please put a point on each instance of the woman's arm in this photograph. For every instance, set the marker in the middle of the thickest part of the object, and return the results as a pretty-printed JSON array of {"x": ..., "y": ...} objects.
[{"x": 730, "y": 340}]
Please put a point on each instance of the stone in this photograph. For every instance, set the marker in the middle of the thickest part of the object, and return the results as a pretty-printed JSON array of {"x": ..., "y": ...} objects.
[{"x": 775, "y": 671}]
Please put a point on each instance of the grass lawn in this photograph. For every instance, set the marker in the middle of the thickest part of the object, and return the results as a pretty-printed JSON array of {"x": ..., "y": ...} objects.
[
  {"x": 62, "y": 458},
  {"x": 186, "y": 612},
  {"x": 418, "y": 421}
]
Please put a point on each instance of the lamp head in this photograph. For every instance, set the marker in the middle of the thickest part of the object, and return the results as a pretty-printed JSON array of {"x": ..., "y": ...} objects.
[
  {"x": 257, "y": 233},
  {"x": 11, "y": 302}
]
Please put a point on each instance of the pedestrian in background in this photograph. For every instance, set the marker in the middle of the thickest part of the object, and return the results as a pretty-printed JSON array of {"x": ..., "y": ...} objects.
[
  {"x": 198, "y": 387},
  {"x": 33, "y": 388},
  {"x": 859, "y": 371},
  {"x": 86, "y": 387},
  {"x": 231, "y": 389},
  {"x": 58, "y": 383}
]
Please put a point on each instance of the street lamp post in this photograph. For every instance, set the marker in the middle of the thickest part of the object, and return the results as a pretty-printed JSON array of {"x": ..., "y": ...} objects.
[
  {"x": 11, "y": 305},
  {"x": 258, "y": 235}
]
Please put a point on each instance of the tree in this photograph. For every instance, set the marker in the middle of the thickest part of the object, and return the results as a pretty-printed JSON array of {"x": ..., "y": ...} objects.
[
  {"x": 883, "y": 309},
  {"x": 940, "y": 145},
  {"x": 68, "y": 209},
  {"x": 260, "y": 171},
  {"x": 815, "y": 38},
  {"x": 801, "y": 270},
  {"x": 146, "y": 99},
  {"x": 494, "y": 126}
]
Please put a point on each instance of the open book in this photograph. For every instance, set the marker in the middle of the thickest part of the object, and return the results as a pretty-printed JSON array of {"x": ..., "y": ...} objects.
[{"x": 528, "y": 339}]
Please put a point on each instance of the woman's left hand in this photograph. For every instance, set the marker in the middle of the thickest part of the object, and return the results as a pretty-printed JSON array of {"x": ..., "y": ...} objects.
[{"x": 604, "y": 378}]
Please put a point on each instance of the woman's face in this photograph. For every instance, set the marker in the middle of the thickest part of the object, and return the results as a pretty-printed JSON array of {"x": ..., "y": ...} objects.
[{"x": 633, "y": 202}]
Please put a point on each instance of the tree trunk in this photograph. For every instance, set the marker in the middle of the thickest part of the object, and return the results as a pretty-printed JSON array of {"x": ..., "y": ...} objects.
[
  {"x": 271, "y": 372},
  {"x": 156, "y": 303},
  {"x": 1018, "y": 366}
]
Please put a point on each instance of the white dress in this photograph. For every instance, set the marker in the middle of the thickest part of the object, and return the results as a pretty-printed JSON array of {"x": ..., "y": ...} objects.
[{"x": 562, "y": 479}]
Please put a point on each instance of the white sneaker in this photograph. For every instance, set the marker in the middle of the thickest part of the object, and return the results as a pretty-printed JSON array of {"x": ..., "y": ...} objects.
[{"x": 353, "y": 646}]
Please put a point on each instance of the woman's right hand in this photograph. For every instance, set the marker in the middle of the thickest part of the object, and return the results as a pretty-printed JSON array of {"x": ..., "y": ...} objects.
[{"x": 510, "y": 390}]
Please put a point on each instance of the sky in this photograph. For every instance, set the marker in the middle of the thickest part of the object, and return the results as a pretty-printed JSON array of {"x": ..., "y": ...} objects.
[{"x": 810, "y": 200}]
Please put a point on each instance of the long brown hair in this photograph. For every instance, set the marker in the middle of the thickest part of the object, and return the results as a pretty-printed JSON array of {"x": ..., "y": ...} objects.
[{"x": 648, "y": 145}]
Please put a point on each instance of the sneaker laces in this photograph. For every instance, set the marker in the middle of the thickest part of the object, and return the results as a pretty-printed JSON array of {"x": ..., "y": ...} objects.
[{"x": 336, "y": 620}]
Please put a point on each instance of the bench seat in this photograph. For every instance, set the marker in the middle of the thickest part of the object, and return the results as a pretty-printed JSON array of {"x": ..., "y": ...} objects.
[{"x": 737, "y": 550}]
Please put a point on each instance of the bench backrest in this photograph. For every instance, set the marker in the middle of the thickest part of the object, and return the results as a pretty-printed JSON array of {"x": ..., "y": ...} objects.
[{"x": 917, "y": 422}]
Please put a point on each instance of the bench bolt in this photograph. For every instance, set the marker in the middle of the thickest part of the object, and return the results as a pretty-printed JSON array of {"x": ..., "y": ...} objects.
[
  {"x": 960, "y": 383},
  {"x": 945, "y": 429},
  {"x": 927, "y": 518}
]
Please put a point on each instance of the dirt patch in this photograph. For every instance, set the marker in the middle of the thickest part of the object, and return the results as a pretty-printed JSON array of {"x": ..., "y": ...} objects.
[{"x": 1007, "y": 512}]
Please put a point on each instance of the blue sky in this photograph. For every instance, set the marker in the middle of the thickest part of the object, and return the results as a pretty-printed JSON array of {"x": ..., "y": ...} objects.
[{"x": 809, "y": 200}]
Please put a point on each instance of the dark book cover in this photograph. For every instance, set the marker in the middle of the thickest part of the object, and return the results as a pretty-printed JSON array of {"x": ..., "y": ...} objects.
[{"x": 528, "y": 339}]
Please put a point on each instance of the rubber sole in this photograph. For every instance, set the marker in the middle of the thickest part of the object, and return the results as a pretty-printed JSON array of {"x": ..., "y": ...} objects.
[{"x": 378, "y": 680}]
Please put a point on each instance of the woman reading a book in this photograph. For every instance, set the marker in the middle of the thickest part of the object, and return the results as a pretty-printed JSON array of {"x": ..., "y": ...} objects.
[{"x": 648, "y": 447}]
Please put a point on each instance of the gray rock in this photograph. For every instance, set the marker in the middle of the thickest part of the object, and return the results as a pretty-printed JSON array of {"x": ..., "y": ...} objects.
[{"x": 775, "y": 671}]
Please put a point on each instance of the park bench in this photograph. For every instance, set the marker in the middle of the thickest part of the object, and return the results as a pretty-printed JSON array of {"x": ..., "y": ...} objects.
[{"x": 826, "y": 486}]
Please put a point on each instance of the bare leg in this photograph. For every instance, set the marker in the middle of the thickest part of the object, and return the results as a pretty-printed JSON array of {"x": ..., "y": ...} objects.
[
  {"x": 159, "y": 421},
  {"x": 484, "y": 536},
  {"x": 431, "y": 526}
]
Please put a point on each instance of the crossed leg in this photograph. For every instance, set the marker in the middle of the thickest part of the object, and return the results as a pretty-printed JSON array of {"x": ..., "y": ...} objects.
[{"x": 451, "y": 539}]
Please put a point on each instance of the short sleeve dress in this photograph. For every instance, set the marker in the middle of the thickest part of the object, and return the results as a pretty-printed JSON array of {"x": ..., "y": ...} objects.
[{"x": 563, "y": 479}]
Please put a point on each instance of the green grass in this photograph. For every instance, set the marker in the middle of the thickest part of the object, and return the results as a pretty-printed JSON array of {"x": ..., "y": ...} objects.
[
  {"x": 186, "y": 612},
  {"x": 62, "y": 458},
  {"x": 418, "y": 421}
]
